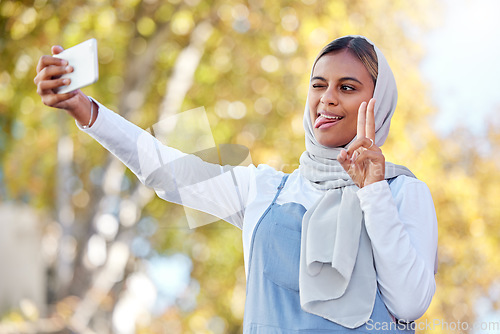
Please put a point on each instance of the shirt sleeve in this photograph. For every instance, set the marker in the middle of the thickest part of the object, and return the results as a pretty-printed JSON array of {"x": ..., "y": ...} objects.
[
  {"x": 220, "y": 191},
  {"x": 402, "y": 225}
]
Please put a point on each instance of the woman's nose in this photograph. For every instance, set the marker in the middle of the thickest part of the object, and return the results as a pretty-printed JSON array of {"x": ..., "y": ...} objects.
[{"x": 329, "y": 97}]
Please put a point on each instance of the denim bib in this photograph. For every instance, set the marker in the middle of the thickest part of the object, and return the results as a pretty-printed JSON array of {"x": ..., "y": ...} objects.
[{"x": 272, "y": 301}]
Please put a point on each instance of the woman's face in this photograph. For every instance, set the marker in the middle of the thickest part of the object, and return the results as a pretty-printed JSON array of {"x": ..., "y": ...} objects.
[{"x": 340, "y": 83}]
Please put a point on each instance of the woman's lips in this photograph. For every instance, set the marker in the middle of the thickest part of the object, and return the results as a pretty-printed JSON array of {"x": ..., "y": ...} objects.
[{"x": 326, "y": 121}]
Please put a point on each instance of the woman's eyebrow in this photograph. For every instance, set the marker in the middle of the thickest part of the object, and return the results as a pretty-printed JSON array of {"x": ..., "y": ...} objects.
[
  {"x": 350, "y": 79},
  {"x": 318, "y": 78},
  {"x": 341, "y": 79}
]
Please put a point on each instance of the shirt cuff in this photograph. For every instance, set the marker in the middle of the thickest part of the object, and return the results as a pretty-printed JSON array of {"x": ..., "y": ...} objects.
[
  {"x": 98, "y": 121},
  {"x": 373, "y": 190},
  {"x": 376, "y": 201}
]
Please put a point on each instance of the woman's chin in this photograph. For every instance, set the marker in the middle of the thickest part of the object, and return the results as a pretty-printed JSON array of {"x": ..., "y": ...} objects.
[{"x": 331, "y": 142}]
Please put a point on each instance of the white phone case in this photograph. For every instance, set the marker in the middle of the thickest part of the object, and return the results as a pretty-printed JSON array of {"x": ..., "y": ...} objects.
[{"x": 83, "y": 59}]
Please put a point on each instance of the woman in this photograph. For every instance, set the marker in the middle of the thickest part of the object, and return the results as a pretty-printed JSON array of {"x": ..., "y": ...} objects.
[{"x": 345, "y": 243}]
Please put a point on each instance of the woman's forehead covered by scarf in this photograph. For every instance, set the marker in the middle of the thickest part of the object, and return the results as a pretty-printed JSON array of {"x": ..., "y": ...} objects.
[{"x": 386, "y": 95}]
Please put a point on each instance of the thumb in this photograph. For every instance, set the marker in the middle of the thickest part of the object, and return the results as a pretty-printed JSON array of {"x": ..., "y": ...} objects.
[{"x": 56, "y": 49}]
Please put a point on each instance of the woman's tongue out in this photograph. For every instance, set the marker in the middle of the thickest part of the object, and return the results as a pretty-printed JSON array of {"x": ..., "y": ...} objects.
[{"x": 325, "y": 121}]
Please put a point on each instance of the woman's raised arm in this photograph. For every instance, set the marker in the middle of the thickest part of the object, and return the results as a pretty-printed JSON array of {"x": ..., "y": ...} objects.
[{"x": 175, "y": 176}]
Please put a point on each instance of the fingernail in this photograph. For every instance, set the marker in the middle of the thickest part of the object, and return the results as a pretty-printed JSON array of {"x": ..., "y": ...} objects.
[
  {"x": 66, "y": 81},
  {"x": 354, "y": 156},
  {"x": 68, "y": 68},
  {"x": 64, "y": 62}
]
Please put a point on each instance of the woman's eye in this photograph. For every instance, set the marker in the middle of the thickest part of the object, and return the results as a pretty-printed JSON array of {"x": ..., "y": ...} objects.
[
  {"x": 318, "y": 86},
  {"x": 345, "y": 87}
]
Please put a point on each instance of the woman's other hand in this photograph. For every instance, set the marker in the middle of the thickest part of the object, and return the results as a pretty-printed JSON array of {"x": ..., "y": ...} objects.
[
  {"x": 48, "y": 79},
  {"x": 363, "y": 160}
]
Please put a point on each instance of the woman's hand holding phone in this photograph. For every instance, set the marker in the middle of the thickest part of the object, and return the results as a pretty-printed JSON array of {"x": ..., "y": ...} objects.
[{"x": 49, "y": 81}]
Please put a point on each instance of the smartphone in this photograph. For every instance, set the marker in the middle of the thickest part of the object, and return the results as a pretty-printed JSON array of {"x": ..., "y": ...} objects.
[{"x": 83, "y": 59}]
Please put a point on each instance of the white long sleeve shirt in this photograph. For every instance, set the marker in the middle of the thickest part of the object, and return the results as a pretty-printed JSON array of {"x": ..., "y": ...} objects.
[{"x": 400, "y": 218}]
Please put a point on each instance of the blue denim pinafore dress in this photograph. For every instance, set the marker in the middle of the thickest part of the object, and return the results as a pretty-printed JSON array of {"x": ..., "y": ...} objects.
[{"x": 272, "y": 301}]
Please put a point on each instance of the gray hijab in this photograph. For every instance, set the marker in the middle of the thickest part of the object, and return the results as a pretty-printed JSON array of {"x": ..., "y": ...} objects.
[{"x": 337, "y": 277}]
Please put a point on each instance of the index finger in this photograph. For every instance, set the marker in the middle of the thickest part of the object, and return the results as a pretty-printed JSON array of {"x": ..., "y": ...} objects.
[
  {"x": 361, "y": 120},
  {"x": 370, "y": 120},
  {"x": 49, "y": 60}
]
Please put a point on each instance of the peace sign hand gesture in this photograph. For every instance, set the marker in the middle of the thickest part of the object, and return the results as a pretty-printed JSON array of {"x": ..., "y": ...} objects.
[{"x": 363, "y": 160}]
